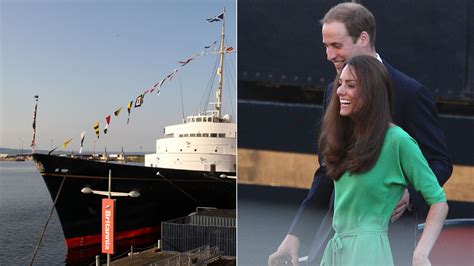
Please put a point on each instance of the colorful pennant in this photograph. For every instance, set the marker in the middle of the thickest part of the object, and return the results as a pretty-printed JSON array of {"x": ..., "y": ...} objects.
[
  {"x": 161, "y": 84},
  {"x": 117, "y": 112},
  {"x": 107, "y": 120},
  {"x": 154, "y": 86},
  {"x": 129, "y": 107},
  {"x": 139, "y": 100},
  {"x": 83, "y": 135},
  {"x": 171, "y": 75},
  {"x": 209, "y": 46},
  {"x": 66, "y": 143},
  {"x": 96, "y": 128},
  {"x": 183, "y": 63}
]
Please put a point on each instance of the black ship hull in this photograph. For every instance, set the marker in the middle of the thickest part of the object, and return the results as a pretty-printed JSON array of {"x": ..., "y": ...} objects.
[{"x": 164, "y": 194}]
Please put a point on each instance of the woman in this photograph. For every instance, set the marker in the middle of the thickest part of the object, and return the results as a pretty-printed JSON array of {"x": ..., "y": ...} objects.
[{"x": 371, "y": 162}]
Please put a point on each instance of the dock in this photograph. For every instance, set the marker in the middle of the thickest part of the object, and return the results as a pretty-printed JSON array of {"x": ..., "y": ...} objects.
[{"x": 200, "y": 256}]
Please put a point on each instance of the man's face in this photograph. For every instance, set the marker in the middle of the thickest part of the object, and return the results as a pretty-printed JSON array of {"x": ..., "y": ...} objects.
[{"x": 339, "y": 45}]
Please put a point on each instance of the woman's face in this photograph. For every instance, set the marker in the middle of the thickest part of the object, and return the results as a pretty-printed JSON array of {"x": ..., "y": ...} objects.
[{"x": 348, "y": 92}]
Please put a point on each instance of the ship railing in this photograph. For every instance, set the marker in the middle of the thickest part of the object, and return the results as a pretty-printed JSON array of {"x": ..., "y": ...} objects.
[{"x": 126, "y": 253}]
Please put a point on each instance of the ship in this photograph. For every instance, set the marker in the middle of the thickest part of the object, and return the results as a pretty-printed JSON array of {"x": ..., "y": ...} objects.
[{"x": 194, "y": 166}]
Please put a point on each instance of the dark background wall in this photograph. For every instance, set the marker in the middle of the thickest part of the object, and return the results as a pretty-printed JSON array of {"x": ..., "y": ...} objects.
[{"x": 431, "y": 40}]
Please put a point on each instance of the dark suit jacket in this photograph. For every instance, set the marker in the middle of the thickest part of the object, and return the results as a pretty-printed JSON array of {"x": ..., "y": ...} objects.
[{"x": 414, "y": 111}]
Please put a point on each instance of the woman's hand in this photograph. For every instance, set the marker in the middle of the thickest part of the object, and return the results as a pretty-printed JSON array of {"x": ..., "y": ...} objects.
[
  {"x": 434, "y": 224},
  {"x": 288, "y": 248},
  {"x": 420, "y": 260}
]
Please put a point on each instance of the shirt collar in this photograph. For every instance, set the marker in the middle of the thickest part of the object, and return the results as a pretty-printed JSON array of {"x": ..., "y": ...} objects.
[{"x": 378, "y": 57}]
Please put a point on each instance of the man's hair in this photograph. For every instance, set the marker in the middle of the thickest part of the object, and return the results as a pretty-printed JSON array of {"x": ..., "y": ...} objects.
[
  {"x": 354, "y": 143},
  {"x": 355, "y": 17}
]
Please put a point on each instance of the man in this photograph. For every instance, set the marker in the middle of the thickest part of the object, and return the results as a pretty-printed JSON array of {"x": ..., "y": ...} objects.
[{"x": 349, "y": 29}]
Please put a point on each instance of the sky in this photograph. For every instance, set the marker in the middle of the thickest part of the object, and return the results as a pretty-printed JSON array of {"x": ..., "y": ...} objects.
[{"x": 87, "y": 58}]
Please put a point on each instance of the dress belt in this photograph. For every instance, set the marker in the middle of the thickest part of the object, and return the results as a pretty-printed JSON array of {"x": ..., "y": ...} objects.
[{"x": 337, "y": 244}]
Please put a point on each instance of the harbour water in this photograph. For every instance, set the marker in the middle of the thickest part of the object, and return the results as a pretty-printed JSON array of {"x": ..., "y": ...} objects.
[
  {"x": 24, "y": 208},
  {"x": 25, "y": 205}
]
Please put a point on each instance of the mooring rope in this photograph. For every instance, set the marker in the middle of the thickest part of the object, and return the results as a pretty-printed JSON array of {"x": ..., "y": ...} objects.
[
  {"x": 47, "y": 221},
  {"x": 178, "y": 188}
]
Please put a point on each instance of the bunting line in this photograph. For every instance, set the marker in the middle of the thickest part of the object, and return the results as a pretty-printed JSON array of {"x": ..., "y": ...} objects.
[{"x": 140, "y": 98}]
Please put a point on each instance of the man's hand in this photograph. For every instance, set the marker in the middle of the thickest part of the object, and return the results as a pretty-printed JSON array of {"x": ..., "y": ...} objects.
[
  {"x": 289, "y": 247},
  {"x": 401, "y": 206}
]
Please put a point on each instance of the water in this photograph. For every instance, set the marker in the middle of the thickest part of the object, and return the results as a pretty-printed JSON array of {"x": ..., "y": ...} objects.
[{"x": 24, "y": 208}]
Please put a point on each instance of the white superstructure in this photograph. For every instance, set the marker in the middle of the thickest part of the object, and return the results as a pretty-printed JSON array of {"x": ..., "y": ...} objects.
[{"x": 201, "y": 143}]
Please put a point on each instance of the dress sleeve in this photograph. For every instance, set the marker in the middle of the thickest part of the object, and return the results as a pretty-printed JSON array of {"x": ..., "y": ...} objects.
[{"x": 417, "y": 171}]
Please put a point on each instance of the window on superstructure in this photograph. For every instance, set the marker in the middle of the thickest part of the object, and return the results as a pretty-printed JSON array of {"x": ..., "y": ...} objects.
[
  {"x": 186, "y": 135},
  {"x": 221, "y": 135},
  {"x": 180, "y": 135},
  {"x": 170, "y": 135},
  {"x": 192, "y": 135},
  {"x": 198, "y": 135},
  {"x": 192, "y": 119},
  {"x": 213, "y": 135},
  {"x": 198, "y": 119},
  {"x": 205, "y": 135}
]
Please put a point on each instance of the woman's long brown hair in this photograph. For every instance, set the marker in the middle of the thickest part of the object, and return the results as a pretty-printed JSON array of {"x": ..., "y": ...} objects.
[{"x": 354, "y": 143}]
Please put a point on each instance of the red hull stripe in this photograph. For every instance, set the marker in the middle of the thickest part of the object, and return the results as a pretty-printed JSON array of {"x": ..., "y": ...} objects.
[{"x": 83, "y": 241}]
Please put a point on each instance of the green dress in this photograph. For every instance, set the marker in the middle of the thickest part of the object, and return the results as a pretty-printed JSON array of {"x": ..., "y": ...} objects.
[{"x": 364, "y": 202}]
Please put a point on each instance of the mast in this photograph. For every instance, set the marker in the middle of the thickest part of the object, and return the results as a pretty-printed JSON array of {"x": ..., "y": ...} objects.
[
  {"x": 220, "y": 71},
  {"x": 33, "y": 140}
]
